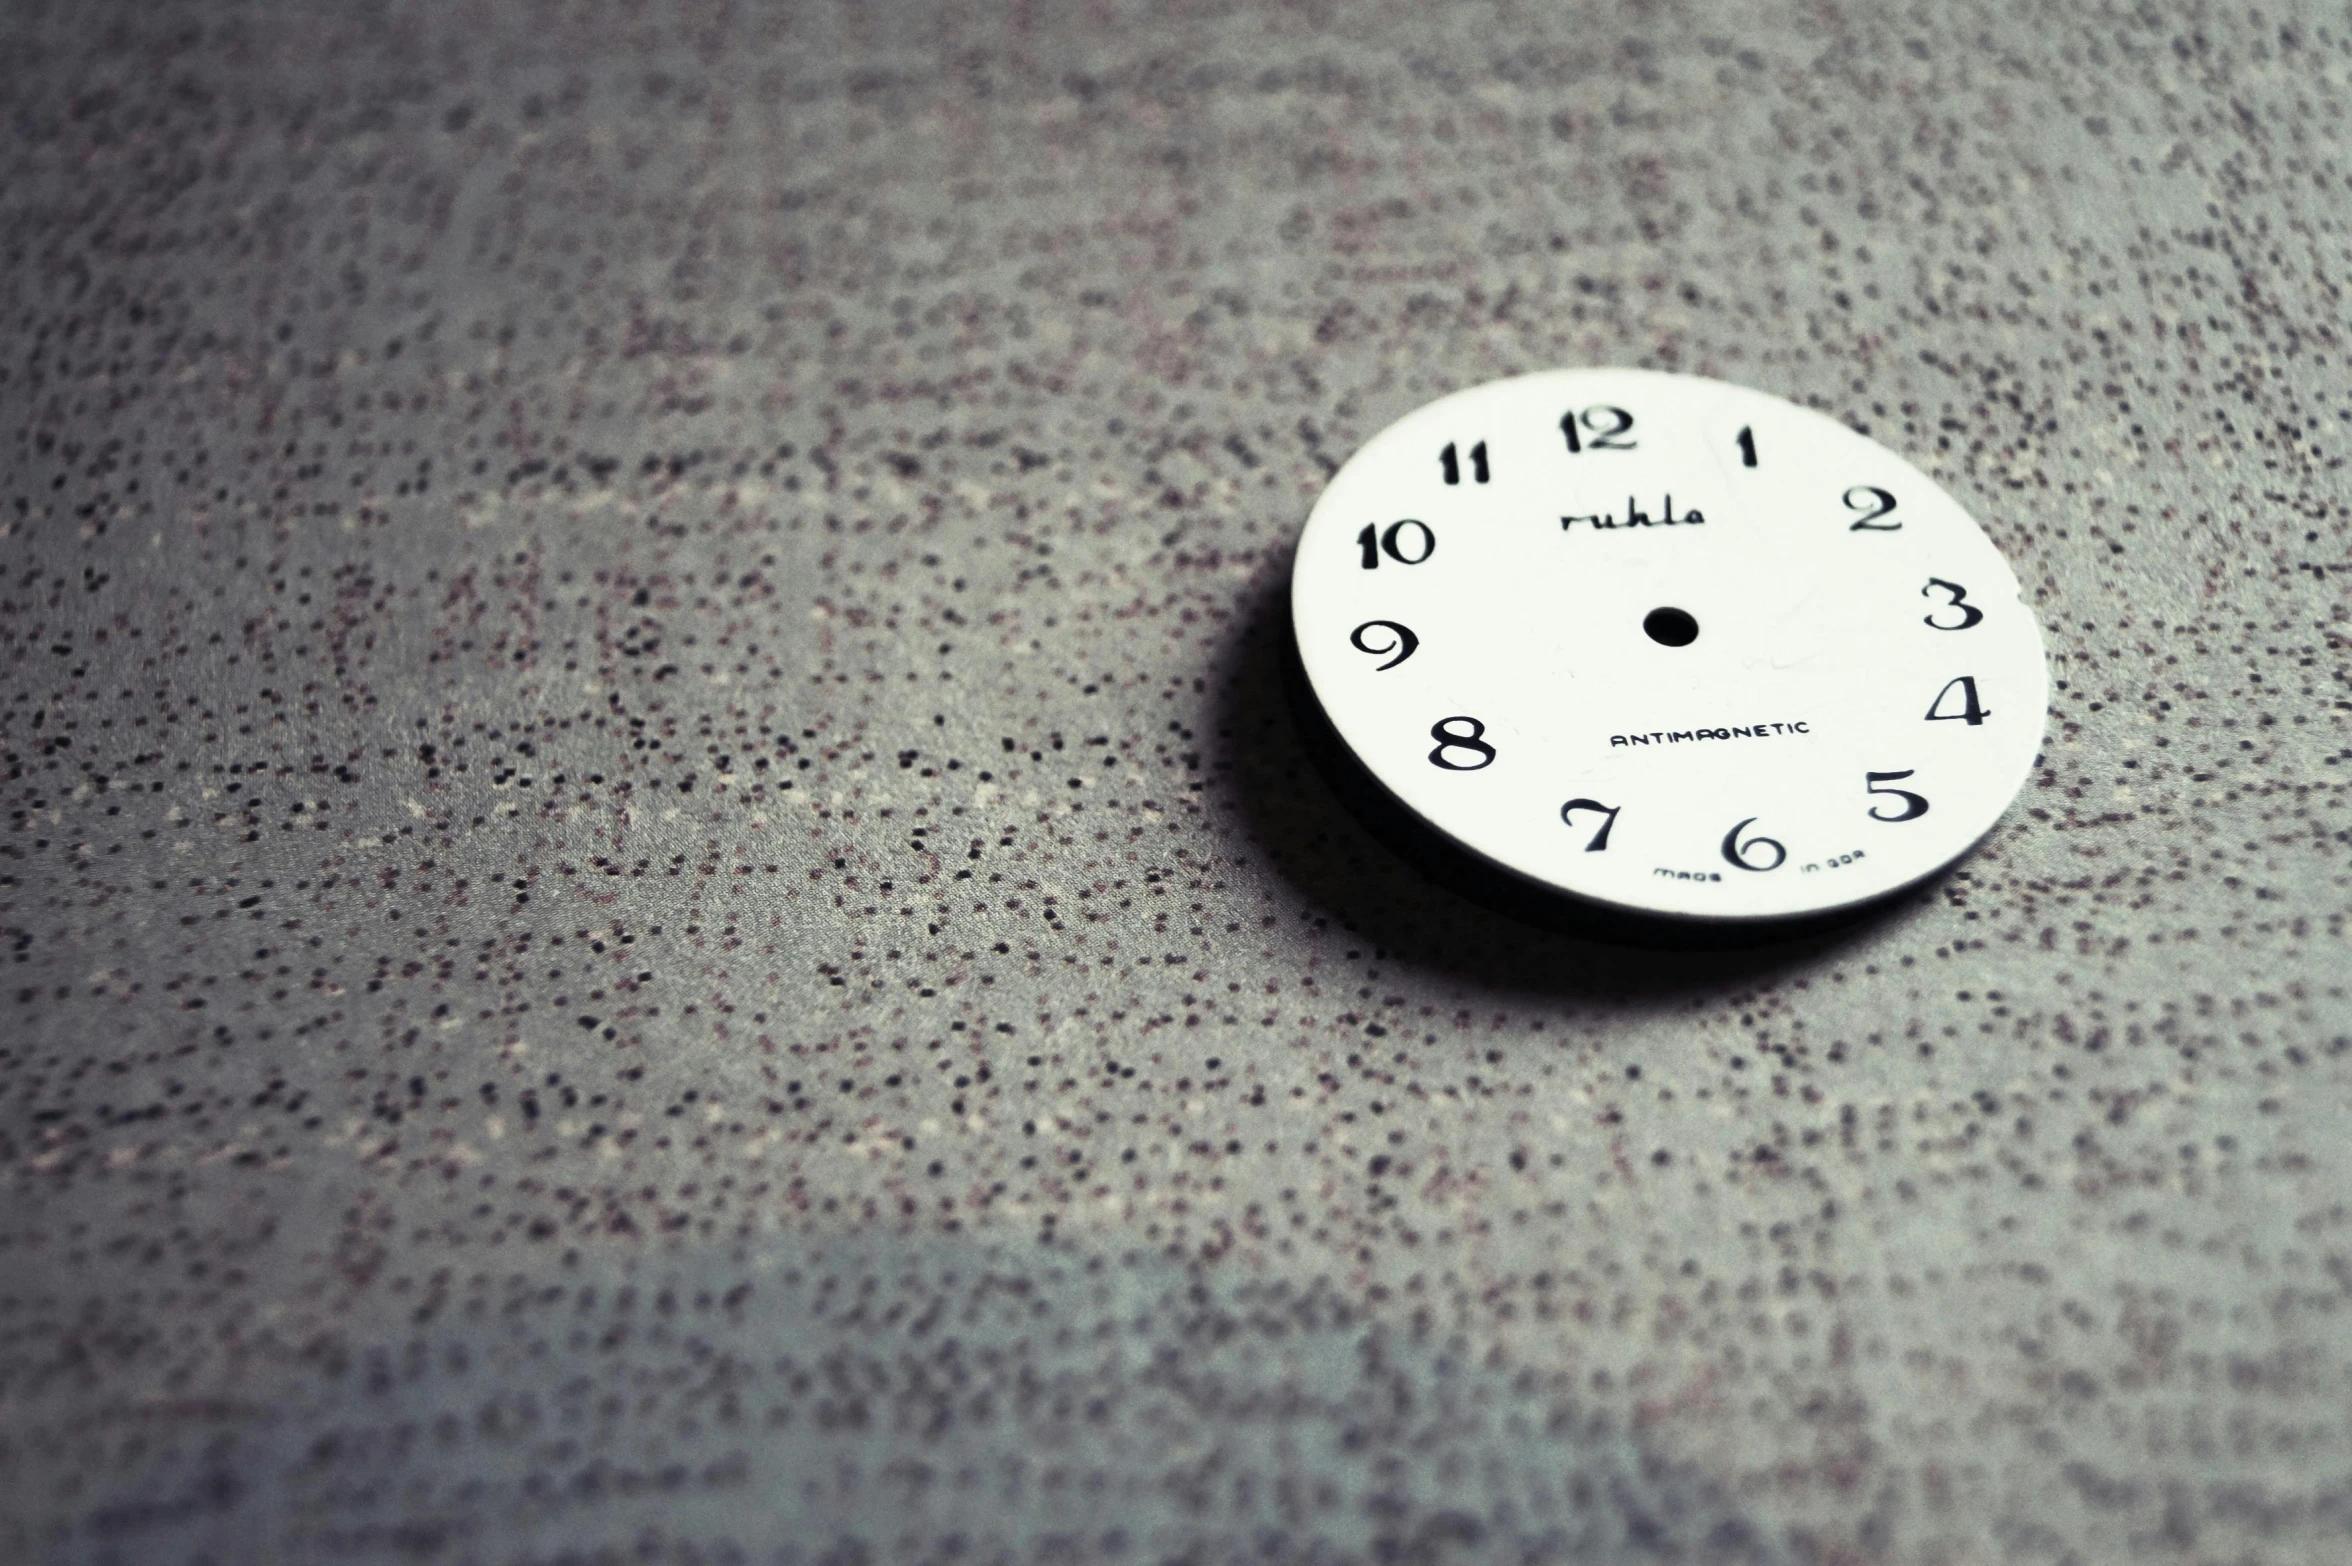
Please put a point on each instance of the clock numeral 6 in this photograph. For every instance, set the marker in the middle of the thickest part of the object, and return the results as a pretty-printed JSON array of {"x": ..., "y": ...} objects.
[
  {"x": 1403, "y": 643},
  {"x": 1972, "y": 712},
  {"x": 1913, "y": 805},
  {"x": 1473, "y": 743},
  {"x": 1600, "y": 839},
  {"x": 1737, "y": 851},
  {"x": 1395, "y": 541}
]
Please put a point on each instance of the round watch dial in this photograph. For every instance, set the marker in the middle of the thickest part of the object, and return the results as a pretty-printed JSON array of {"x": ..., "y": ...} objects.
[{"x": 1669, "y": 645}]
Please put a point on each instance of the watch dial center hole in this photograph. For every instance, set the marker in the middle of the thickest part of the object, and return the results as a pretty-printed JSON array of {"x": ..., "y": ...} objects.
[{"x": 1671, "y": 627}]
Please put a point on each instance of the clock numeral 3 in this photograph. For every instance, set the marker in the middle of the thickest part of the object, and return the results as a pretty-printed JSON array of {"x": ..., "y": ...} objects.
[
  {"x": 1473, "y": 743},
  {"x": 1604, "y": 424},
  {"x": 1394, "y": 542},
  {"x": 1873, "y": 504},
  {"x": 1453, "y": 464},
  {"x": 1969, "y": 613},
  {"x": 1913, "y": 805},
  {"x": 1403, "y": 643},
  {"x": 1600, "y": 839},
  {"x": 1737, "y": 852},
  {"x": 1972, "y": 712}
]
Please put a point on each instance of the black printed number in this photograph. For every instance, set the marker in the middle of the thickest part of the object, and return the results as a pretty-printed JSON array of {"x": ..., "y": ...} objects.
[
  {"x": 1969, "y": 613},
  {"x": 1873, "y": 503},
  {"x": 1401, "y": 642},
  {"x": 1396, "y": 541},
  {"x": 1747, "y": 446},
  {"x": 1600, "y": 839},
  {"x": 1452, "y": 464},
  {"x": 1972, "y": 712},
  {"x": 1603, "y": 424},
  {"x": 1737, "y": 852},
  {"x": 1448, "y": 739},
  {"x": 1913, "y": 805}
]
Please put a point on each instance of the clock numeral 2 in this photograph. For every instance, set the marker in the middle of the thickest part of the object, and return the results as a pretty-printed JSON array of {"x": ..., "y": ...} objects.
[
  {"x": 1453, "y": 466},
  {"x": 1972, "y": 712},
  {"x": 1372, "y": 543},
  {"x": 1873, "y": 504},
  {"x": 1473, "y": 742},
  {"x": 1604, "y": 424},
  {"x": 1600, "y": 839}
]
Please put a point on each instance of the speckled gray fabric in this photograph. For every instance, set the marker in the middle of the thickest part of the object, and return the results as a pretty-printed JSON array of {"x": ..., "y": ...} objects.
[{"x": 660, "y": 903}]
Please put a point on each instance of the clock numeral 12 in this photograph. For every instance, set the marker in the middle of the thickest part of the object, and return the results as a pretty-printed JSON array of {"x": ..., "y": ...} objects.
[
  {"x": 1603, "y": 423},
  {"x": 1453, "y": 466}
]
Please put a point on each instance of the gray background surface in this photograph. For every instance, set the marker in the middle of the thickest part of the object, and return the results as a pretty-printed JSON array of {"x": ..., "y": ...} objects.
[{"x": 659, "y": 904}]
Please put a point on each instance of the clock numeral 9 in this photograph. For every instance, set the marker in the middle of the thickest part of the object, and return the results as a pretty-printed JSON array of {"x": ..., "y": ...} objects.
[
  {"x": 1604, "y": 424},
  {"x": 1473, "y": 743},
  {"x": 1737, "y": 852},
  {"x": 1394, "y": 541},
  {"x": 1404, "y": 643}
]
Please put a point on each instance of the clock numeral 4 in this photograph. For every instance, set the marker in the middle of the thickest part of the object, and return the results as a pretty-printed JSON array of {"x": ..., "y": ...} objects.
[
  {"x": 1972, "y": 711},
  {"x": 1394, "y": 542}
]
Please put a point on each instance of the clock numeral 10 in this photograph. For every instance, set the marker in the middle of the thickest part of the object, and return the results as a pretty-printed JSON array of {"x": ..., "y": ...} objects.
[
  {"x": 1452, "y": 465},
  {"x": 1394, "y": 541}
]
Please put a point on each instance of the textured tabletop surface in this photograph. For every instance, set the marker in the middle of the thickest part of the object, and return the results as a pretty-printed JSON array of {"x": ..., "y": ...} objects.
[{"x": 659, "y": 902}]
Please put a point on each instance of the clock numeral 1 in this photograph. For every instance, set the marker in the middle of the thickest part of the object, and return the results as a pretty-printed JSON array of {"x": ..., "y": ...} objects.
[
  {"x": 1747, "y": 446},
  {"x": 1474, "y": 743},
  {"x": 1914, "y": 806},
  {"x": 1736, "y": 851},
  {"x": 1374, "y": 543},
  {"x": 1972, "y": 712},
  {"x": 1453, "y": 467},
  {"x": 1600, "y": 839}
]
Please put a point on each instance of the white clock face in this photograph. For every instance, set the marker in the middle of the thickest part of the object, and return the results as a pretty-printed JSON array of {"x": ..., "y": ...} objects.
[{"x": 1668, "y": 644}]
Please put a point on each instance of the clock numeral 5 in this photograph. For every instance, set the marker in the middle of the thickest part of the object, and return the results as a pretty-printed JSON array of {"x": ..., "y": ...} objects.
[{"x": 1913, "y": 805}]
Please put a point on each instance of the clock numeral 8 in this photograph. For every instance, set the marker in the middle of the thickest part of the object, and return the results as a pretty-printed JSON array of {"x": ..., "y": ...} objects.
[{"x": 1474, "y": 742}]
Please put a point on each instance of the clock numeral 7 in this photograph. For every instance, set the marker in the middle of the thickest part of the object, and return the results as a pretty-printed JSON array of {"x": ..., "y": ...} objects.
[{"x": 1600, "y": 839}]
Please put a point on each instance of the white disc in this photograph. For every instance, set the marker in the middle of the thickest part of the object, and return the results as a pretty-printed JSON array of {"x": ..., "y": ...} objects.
[{"x": 1668, "y": 644}]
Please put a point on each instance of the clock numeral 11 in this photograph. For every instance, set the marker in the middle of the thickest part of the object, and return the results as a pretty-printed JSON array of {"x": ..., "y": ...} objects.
[{"x": 1453, "y": 465}]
